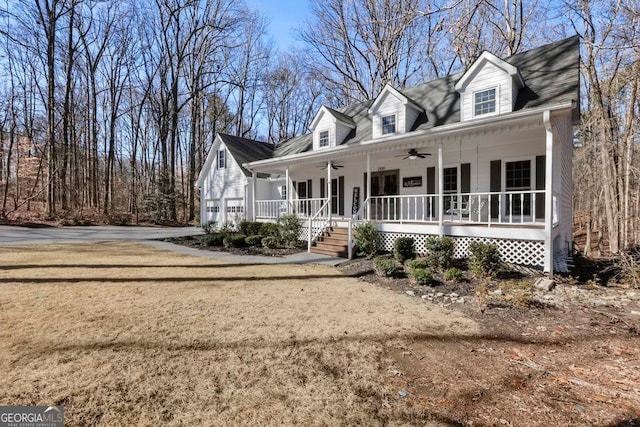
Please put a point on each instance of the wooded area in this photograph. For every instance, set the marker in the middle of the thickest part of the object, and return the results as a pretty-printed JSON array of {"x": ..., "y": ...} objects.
[{"x": 109, "y": 107}]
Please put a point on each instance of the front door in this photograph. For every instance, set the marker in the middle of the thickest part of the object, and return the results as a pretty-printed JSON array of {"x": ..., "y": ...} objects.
[{"x": 384, "y": 183}]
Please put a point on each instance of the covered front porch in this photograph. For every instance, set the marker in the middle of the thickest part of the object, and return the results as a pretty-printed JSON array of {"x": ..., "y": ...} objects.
[{"x": 494, "y": 184}]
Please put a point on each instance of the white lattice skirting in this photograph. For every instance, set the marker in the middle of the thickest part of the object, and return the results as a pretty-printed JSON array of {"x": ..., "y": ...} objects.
[{"x": 524, "y": 252}]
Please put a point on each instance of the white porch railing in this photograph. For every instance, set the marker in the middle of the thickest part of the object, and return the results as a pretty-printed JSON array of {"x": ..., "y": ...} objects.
[
  {"x": 274, "y": 209},
  {"x": 504, "y": 208},
  {"x": 317, "y": 223}
]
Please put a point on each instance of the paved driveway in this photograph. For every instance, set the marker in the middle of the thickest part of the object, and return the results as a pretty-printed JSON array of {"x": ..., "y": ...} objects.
[{"x": 10, "y": 235}]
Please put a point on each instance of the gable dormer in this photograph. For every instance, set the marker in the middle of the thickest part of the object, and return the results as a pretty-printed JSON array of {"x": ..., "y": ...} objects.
[
  {"x": 392, "y": 113},
  {"x": 330, "y": 128},
  {"x": 489, "y": 87}
]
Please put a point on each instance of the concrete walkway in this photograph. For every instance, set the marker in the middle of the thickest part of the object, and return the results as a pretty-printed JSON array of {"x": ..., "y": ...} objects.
[
  {"x": 297, "y": 258},
  {"x": 10, "y": 235}
]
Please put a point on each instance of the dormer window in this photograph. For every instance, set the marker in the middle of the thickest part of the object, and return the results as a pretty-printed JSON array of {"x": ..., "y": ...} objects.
[
  {"x": 389, "y": 124},
  {"x": 323, "y": 138},
  {"x": 484, "y": 102}
]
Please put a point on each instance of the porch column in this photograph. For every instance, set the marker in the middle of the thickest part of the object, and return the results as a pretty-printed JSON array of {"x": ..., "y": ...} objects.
[
  {"x": 440, "y": 192},
  {"x": 329, "y": 188},
  {"x": 367, "y": 187},
  {"x": 286, "y": 178},
  {"x": 548, "y": 196},
  {"x": 254, "y": 176}
]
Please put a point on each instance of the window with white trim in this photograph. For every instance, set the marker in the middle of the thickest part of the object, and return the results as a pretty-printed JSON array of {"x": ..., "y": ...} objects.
[
  {"x": 450, "y": 180},
  {"x": 389, "y": 124},
  {"x": 518, "y": 178},
  {"x": 323, "y": 138},
  {"x": 283, "y": 192},
  {"x": 484, "y": 102},
  {"x": 222, "y": 159}
]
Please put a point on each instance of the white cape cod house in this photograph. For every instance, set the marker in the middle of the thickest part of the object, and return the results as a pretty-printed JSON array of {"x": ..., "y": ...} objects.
[{"x": 484, "y": 155}]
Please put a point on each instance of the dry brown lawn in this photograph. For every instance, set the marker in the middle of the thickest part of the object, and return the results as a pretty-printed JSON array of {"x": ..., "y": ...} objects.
[{"x": 123, "y": 334}]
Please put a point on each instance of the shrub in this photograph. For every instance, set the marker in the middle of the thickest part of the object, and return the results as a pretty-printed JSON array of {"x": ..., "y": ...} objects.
[
  {"x": 440, "y": 252},
  {"x": 404, "y": 249},
  {"x": 269, "y": 229},
  {"x": 484, "y": 259},
  {"x": 227, "y": 227},
  {"x": 271, "y": 242},
  {"x": 214, "y": 239},
  {"x": 210, "y": 227},
  {"x": 412, "y": 264},
  {"x": 250, "y": 228},
  {"x": 422, "y": 276},
  {"x": 234, "y": 241},
  {"x": 366, "y": 237},
  {"x": 254, "y": 240},
  {"x": 118, "y": 218},
  {"x": 453, "y": 275},
  {"x": 290, "y": 227},
  {"x": 386, "y": 267}
]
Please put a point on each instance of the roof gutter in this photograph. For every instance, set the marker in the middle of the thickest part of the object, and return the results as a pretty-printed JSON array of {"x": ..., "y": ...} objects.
[{"x": 436, "y": 132}]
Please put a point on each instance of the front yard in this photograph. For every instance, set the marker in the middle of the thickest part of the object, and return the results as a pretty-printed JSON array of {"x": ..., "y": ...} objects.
[{"x": 123, "y": 334}]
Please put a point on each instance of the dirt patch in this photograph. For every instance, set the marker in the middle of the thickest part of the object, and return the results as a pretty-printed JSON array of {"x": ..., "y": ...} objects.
[{"x": 565, "y": 357}]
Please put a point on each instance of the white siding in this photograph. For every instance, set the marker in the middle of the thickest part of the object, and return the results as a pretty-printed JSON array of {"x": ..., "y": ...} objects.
[
  {"x": 341, "y": 133},
  {"x": 389, "y": 105},
  {"x": 326, "y": 123},
  {"x": 562, "y": 130},
  {"x": 224, "y": 184},
  {"x": 488, "y": 76},
  {"x": 411, "y": 116}
]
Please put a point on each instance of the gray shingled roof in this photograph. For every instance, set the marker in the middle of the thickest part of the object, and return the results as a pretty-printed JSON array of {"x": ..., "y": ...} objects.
[
  {"x": 341, "y": 116},
  {"x": 246, "y": 150},
  {"x": 551, "y": 74}
]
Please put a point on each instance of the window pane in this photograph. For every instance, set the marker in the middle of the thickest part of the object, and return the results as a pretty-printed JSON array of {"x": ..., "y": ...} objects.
[
  {"x": 485, "y": 102},
  {"x": 389, "y": 124},
  {"x": 324, "y": 138},
  {"x": 518, "y": 175},
  {"x": 450, "y": 181}
]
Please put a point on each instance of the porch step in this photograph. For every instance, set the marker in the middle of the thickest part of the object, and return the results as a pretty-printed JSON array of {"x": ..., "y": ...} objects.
[
  {"x": 333, "y": 241},
  {"x": 330, "y": 252}
]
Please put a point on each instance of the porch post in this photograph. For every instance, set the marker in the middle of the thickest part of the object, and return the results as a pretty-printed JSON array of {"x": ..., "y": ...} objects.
[
  {"x": 254, "y": 176},
  {"x": 288, "y": 200},
  {"x": 440, "y": 192},
  {"x": 548, "y": 196},
  {"x": 329, "y": 188},
  {"x": 367, "y": 188}
]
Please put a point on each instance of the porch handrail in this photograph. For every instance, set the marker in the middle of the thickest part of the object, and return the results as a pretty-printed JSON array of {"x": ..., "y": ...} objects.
[
  {"x": 489, "y": 207},
  {"x": 323, "y": 223},
  {"x": 275, "y": 208}
]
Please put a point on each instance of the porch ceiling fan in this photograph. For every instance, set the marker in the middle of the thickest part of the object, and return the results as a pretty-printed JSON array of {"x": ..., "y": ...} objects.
[
  {"x": 333, "y": 166},
  {"x": 413, "y": 154}
]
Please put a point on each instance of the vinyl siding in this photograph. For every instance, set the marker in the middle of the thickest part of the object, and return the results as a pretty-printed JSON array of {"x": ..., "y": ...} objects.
[
  {"x": 488, "y": 76},
  {"x": 562, "y": 130},
  {"x": 389, "y": 105},
  {"x": 224, "y": 184},
  {"x": 326, "y": 123}
]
